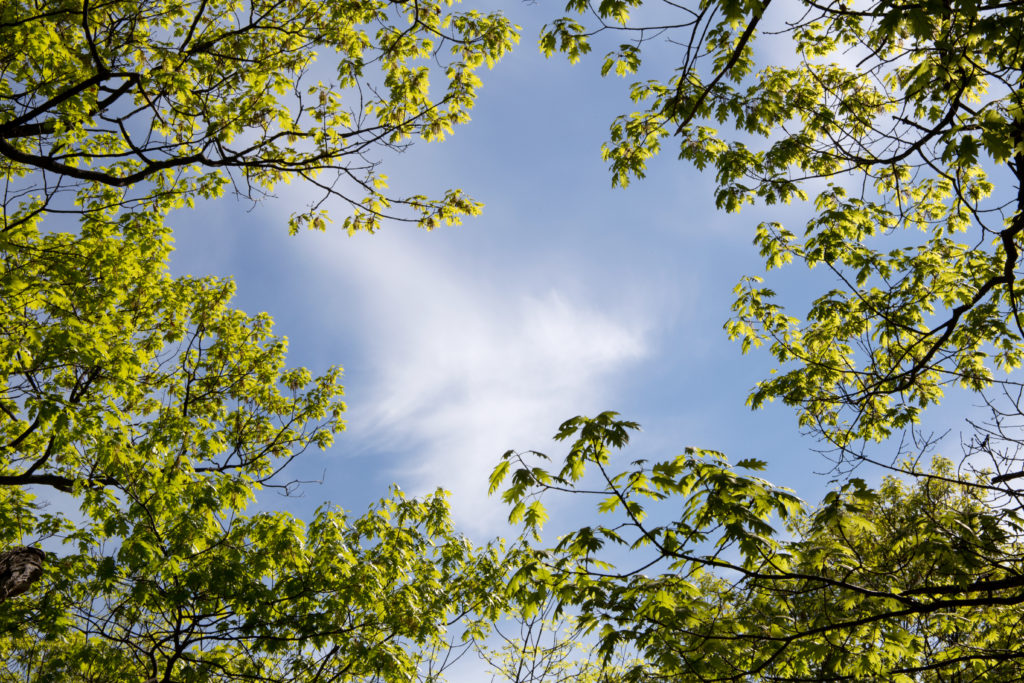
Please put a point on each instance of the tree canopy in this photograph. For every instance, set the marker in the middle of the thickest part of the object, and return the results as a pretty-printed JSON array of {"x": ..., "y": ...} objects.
[
  {"x": 141, "y": 414},
  {"x": 901, "y": 123},
  {"x": 163, "y": 102},
  {"x": 685, "y": 574}
]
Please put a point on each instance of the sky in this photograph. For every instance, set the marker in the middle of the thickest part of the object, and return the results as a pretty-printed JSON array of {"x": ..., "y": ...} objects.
[{"x": 565, "y": 297}]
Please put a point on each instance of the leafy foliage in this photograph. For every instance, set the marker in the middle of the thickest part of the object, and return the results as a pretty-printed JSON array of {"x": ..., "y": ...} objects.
[
  {"x": 159, "y": 412},
  {"x": 901, "y": 123},
  {"x": 687, "y": 568},
  {"x": 185, "y": 98},
  {"x": 213, "y": 595},
  {"x": 902, "y": 120},
  {"x": 141, "y": 414},
  {"x": 543, "y": 648},
  {"x": 151, "y": 413}
]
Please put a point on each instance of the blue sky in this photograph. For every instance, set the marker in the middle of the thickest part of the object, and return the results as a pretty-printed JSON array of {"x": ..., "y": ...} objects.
[{"x": 566, "y": 297}]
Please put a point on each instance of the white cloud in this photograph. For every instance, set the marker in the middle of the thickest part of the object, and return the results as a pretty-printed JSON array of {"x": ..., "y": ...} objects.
[{"x": 467, "y": 364}]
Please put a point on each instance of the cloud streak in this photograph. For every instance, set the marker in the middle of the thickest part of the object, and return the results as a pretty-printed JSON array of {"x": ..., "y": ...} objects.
[{"x": 463, "y": 369}]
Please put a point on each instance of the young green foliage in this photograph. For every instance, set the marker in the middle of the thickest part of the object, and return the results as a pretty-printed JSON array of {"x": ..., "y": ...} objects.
[
  {"x": 544, "y": 648},
  {"x": 149, "y": 413},
  {"x": 905, "y": 123},
  {"x": 685, "y": 568},
  {"x": 141, "y": 414},
  {"x": 165, "y": 101}
]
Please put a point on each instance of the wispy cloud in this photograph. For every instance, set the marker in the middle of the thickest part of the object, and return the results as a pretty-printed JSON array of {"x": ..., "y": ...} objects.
[{"x": 466, "y": 365}]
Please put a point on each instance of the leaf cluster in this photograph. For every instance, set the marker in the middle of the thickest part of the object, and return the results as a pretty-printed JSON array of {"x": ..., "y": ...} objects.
[
  {"x": 143, "y": 416},
  {"x": 902, "y": 122},
  {"x": 164, "y": 102},
  {"x": 736, "y": 579}
]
